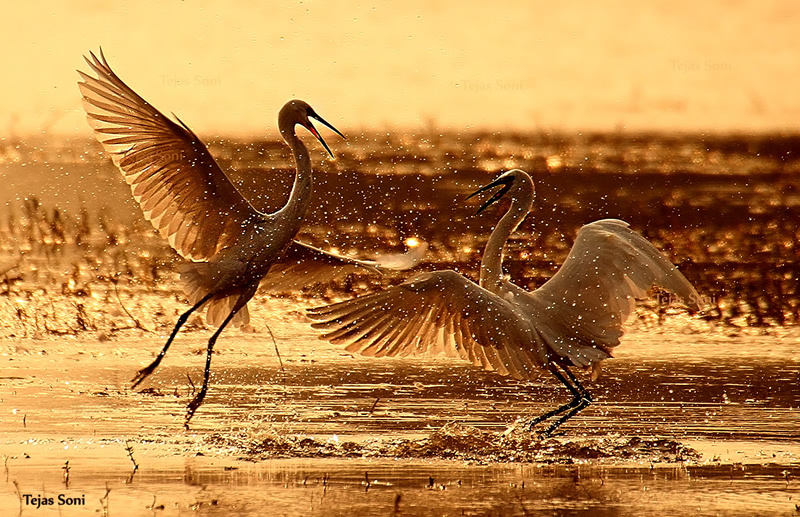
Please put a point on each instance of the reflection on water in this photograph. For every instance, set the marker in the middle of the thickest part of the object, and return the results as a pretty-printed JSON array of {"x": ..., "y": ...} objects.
[{"x": 354, "y": 488}]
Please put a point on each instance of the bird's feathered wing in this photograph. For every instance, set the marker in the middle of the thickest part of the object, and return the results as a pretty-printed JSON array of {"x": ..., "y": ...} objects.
[
  {"x": 575, "y": 318},
  {"x": 299, "y": 266},
  {"x": 434, "y": 313},
  {"x": 181, "y": 189},
  {"x": 580, "y": 311},
  {"x": 302, "y": 265}
]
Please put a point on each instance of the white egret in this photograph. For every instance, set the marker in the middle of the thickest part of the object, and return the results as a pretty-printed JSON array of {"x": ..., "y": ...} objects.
[
  {"x": 189, "y": 199},
  {"x": 574, "y": 319}
]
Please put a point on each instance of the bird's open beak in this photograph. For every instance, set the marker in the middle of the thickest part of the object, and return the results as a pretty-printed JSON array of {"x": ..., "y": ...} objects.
[
  {"x": 504, "y": 180},
  {"x": 314, "y": 131}
]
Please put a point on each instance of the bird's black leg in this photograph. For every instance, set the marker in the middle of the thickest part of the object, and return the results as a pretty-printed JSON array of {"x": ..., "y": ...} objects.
[
  {"x": 576, "y": 395},
  {"x": 142, "y": 374},
  {"x": 198, "y": 399},
  {"x": 580, "y": 399}
]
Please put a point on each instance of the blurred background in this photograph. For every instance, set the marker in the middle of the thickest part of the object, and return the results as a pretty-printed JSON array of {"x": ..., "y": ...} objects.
[{"x": 225, "y": 68}]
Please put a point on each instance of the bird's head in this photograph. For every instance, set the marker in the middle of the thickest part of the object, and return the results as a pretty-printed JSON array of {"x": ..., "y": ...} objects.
[
  {"x": 513, "y": 179},
  {"x": 299, "y": 112}
]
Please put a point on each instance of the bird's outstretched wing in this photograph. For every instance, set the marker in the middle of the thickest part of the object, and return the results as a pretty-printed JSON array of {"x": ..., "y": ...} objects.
[
  {"x": 181, "y": 189},
  {"x": 581, "y": 309},
  {"x": 435, "y": 313},
  {"x": 302, "y": 265}
]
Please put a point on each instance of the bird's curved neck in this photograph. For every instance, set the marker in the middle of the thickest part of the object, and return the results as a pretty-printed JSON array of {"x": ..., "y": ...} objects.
[
  {"x": 296, "y": 206},
  {"x": 492, "y": 261}
]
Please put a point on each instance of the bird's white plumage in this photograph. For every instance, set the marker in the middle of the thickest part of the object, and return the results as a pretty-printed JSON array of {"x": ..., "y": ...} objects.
[
  {"x": 302, "y": 264},
  {"x": 440, "y": 312},
  {"x": 587, "y": 301}
]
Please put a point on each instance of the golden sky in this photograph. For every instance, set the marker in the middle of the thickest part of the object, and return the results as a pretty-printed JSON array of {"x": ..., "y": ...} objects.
[{"x": 225, "y": 68}]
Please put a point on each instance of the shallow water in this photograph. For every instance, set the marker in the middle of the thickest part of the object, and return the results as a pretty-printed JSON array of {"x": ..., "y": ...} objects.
[{"x": 733, "y": 400}]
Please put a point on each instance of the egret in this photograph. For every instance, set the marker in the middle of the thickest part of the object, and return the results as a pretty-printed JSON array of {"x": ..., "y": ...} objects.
[
  {"x": 574, "y": 320},
  {"x": 189, "y": 199}
]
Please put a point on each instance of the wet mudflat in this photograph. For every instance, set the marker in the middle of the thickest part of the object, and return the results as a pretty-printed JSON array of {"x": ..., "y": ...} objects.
[{"x": 696, "y": 414}]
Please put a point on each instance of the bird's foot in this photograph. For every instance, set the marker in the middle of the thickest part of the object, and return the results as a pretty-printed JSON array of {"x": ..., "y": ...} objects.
[
  {"x": 530, "y": 424},
  {"x": 144, "y": 373},
  {"x": 550, "y": 432},
  {"x": 519, "y": 426},
  {"x": 193, "y": 406},
  {"x": 563, "y": 413}
]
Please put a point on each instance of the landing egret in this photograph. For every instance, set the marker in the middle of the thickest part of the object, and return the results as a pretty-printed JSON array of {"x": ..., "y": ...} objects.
[
  {"x": 189, "y": 199},
  {"x": 574, "y": 319}
]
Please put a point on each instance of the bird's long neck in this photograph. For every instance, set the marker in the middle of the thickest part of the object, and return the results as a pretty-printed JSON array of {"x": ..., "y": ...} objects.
[
  {"x": 296, "y": 206},
  {"x": 492, "y": 261}
]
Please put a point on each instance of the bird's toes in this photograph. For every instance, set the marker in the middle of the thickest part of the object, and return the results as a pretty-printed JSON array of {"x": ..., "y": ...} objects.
[
  {"x": 550, "y": 433},
  {"x": 193, "y": 406},
  {"x": 141, "y": 375}
]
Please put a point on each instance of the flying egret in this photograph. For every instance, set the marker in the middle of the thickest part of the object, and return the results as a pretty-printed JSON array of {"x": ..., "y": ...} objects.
[
  {"x": 189, "y": 199},
  {"x": 574, "y": 319}
]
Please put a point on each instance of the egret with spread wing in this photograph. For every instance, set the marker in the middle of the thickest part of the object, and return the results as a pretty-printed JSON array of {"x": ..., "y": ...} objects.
[
  {"x": 574, "y": 319},
  {"x": 188, "y": 198}
]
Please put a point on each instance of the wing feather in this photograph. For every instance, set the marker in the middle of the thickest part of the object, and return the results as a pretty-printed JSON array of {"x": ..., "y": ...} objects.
[
  {"x": 171, "y": 173},
  {"x": 576, "y": 317},
  {"x": 302, "y": 264},
  {"x": 581, "y": 309},
  {"x": 440, "y": 312}
]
